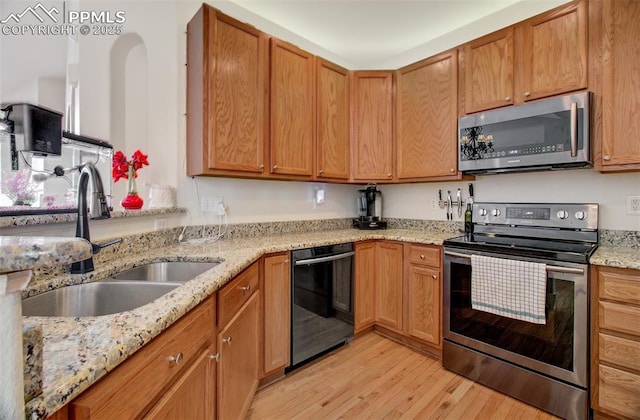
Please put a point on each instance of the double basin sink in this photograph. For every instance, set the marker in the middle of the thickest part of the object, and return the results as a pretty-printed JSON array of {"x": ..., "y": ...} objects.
[{"x": 123, "y": 292}]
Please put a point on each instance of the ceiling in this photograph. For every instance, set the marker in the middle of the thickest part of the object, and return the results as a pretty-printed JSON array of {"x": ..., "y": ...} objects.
[{"x": 367, "y": 34}]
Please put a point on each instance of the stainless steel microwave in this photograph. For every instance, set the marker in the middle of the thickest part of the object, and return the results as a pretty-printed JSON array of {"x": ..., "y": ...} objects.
[{"x": 547, "y": 134}]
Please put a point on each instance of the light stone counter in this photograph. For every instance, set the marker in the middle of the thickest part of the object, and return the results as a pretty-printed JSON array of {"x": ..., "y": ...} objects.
[
  {"x": 19, "y": 253},
  {"x": 79, "y": 351},
  {"x": 616, "y": 256}
]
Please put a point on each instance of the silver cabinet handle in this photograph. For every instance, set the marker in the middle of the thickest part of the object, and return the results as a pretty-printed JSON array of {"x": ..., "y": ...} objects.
[
  {"x": 527, "y": 94},
  {"x": 607, "y": 157},
  {"x": 245, "y": 288},
  {"x": 433, "y": 276},
  {"x": 422, "y": 256},
  {"x": 286, "y": 261},
  {"x": 261, "y": 166},
  {"x": 389, "y": 175},
  {"x": 275, "y": 167},
  {"x": 321, "y": 171},
  {"x": 452, "y": 170},
  {"x": 227, "y": 340},
  {"x": 574, "y": 129},
  {"x": 177, "y": 358},
  {"x": 507, "y": 99},
  {"x": 215, "y": 357}
]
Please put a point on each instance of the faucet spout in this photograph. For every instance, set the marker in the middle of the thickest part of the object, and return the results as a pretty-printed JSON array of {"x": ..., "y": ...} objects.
[{"x": 97, "y": 210}]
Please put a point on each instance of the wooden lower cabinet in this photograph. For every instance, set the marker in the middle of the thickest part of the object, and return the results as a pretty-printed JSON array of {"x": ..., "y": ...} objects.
[
  {"x": 398, "y": 287},
  {"x": 364, "y": 285},
  {"x": 238, "y": 366},
  {"x": 150, "y": 381},
  {"x": 276, "y": 292},
  {"x": 389, "y": 301},
  {"x": 615, "y": 342},
  {"x": 191, "y": 397}
]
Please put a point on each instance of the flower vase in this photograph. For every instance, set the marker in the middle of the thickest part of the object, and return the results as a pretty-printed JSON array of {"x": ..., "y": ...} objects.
[{"x": 132, "y": 200}]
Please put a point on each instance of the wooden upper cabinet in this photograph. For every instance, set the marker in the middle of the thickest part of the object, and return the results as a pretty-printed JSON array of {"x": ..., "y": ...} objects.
[
  {"x": 543, "y": 56},
  {"x": 488, "y": 76},
  {"x": 372, "y": 125},
  {"x": 332, "y": 121},
  {"x": 616, "y": 128},
  {"x": 426, "y": 137},
  {"x": 551, "y": 52},
  {"x": 292, "y": 110},
  {"x": 226, "y": 95}
]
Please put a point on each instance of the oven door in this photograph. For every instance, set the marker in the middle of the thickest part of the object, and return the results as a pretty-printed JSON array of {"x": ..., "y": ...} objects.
[{"x": 557, "y": 348}]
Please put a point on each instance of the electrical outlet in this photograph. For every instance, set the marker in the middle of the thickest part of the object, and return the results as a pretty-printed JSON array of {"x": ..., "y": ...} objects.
[
  {"x": 160, "y": 223},
  {"x": 210, "y": 204},
  {"x": 633, "y": 204},
  {"x": 221, "y": 208}
]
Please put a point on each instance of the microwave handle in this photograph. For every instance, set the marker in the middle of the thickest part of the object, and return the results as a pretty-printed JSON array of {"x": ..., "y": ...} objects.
[{"x": 574, "y": 129}]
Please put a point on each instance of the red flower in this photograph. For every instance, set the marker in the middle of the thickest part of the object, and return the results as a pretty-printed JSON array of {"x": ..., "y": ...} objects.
[{"x": 120, "y": 165}]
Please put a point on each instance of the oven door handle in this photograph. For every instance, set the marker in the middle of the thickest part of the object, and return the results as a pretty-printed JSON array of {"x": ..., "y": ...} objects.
[
  {"x": 325, "y": 259},
  {"x": 550, "y": 268}
]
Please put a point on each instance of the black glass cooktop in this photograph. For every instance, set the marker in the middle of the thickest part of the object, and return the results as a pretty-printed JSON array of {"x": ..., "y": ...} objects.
[{"x": 570, "y": 251}]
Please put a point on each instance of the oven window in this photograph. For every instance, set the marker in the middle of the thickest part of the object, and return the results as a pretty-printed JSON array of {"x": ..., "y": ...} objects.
[{"x": 551, "y": 343}]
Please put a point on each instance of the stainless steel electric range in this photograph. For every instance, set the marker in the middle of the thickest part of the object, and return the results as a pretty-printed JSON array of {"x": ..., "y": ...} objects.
[{"x": 535, "y": 256}]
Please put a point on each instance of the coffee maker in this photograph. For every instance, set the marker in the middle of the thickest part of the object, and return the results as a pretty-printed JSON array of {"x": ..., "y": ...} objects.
[{"x": 369, "y": 209}]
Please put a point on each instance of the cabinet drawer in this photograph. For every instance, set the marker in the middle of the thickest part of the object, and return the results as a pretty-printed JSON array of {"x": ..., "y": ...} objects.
[
  {"x": 425, "y": 255},
  {"x": 617, "y": 317},
  {"x": 619, "y": 391},
  {"x": 622, "y": 287},
  {"x": 135, "y": 385},
  {"x": 233, "y": 295},
  {"x": 620, "y": 351}
]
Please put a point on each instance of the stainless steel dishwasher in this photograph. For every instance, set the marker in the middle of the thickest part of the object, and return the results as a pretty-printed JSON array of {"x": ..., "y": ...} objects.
[{"x": 322, "y": 301}]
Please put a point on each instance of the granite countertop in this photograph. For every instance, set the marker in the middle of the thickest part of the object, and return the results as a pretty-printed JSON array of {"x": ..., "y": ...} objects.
[
  {"x": 78, "y": 351},
  {"x": 616, "y": 256},
  {"x": 19, "y": 253}
]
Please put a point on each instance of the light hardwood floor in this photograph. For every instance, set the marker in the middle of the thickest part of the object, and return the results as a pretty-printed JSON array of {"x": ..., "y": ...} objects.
[{"x": 376, "y": 378}]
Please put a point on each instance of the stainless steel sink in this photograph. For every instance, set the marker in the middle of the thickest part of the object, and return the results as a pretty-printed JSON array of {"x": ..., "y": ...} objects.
[
  {"x": 174, "y": 271},
  {"x": 94, "y": 299}
]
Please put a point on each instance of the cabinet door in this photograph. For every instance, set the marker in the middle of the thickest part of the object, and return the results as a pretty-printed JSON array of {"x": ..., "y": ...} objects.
[
  {"x": 277, "y": 312},
  {"x": 364, "y": 285},
  {"x": 551, "y": 52},
  {"x": 372, "y": 106},
  {"x": 226, "y": 95},
  {"x": 292, "y": 110},
  {"x": 192, "y": 396},
  {"x": 488, "y": 71},
  {"x": 389, "y": 312},
  {"x": 423, "y": 303},
  {"x": 620, "y": 85},
  {"x": 332, "y": 121},
  {"x": 238, "y": 343},
  {"x": 426, "y": 114}
]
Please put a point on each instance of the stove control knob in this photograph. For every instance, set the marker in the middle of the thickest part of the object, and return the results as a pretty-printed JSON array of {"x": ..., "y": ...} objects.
[
  {"x": 581, "y": 215},
  {"x": 496, "y": 212},
  {"x": 482, "y": 212},
  {"x": 562, "y": 214}
]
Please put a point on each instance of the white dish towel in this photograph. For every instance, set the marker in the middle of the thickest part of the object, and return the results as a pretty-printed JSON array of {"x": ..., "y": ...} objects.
[{"x": 510, "y": 288}]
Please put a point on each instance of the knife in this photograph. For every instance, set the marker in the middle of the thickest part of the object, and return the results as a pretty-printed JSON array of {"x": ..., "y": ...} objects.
[
  {"x": 471, "y": 191},
  {"x": 449, "y": 205},
  {"x": 459, "y": 202}
]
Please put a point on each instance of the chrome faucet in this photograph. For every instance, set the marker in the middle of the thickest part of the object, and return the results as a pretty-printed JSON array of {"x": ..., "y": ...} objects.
[{"x": 97, "y": 210}]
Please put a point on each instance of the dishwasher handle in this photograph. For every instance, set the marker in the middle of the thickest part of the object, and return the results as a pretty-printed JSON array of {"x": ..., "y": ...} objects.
[{"x": 318, "y": 260}]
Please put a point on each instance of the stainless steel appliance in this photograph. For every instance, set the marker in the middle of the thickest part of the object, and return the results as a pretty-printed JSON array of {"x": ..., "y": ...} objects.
[
  {"x": 322, "y": 301},
  {"x": 547, "y": 134},
  {"x": 369, "y": 203},
  {"x": 544, "y": 364}
]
